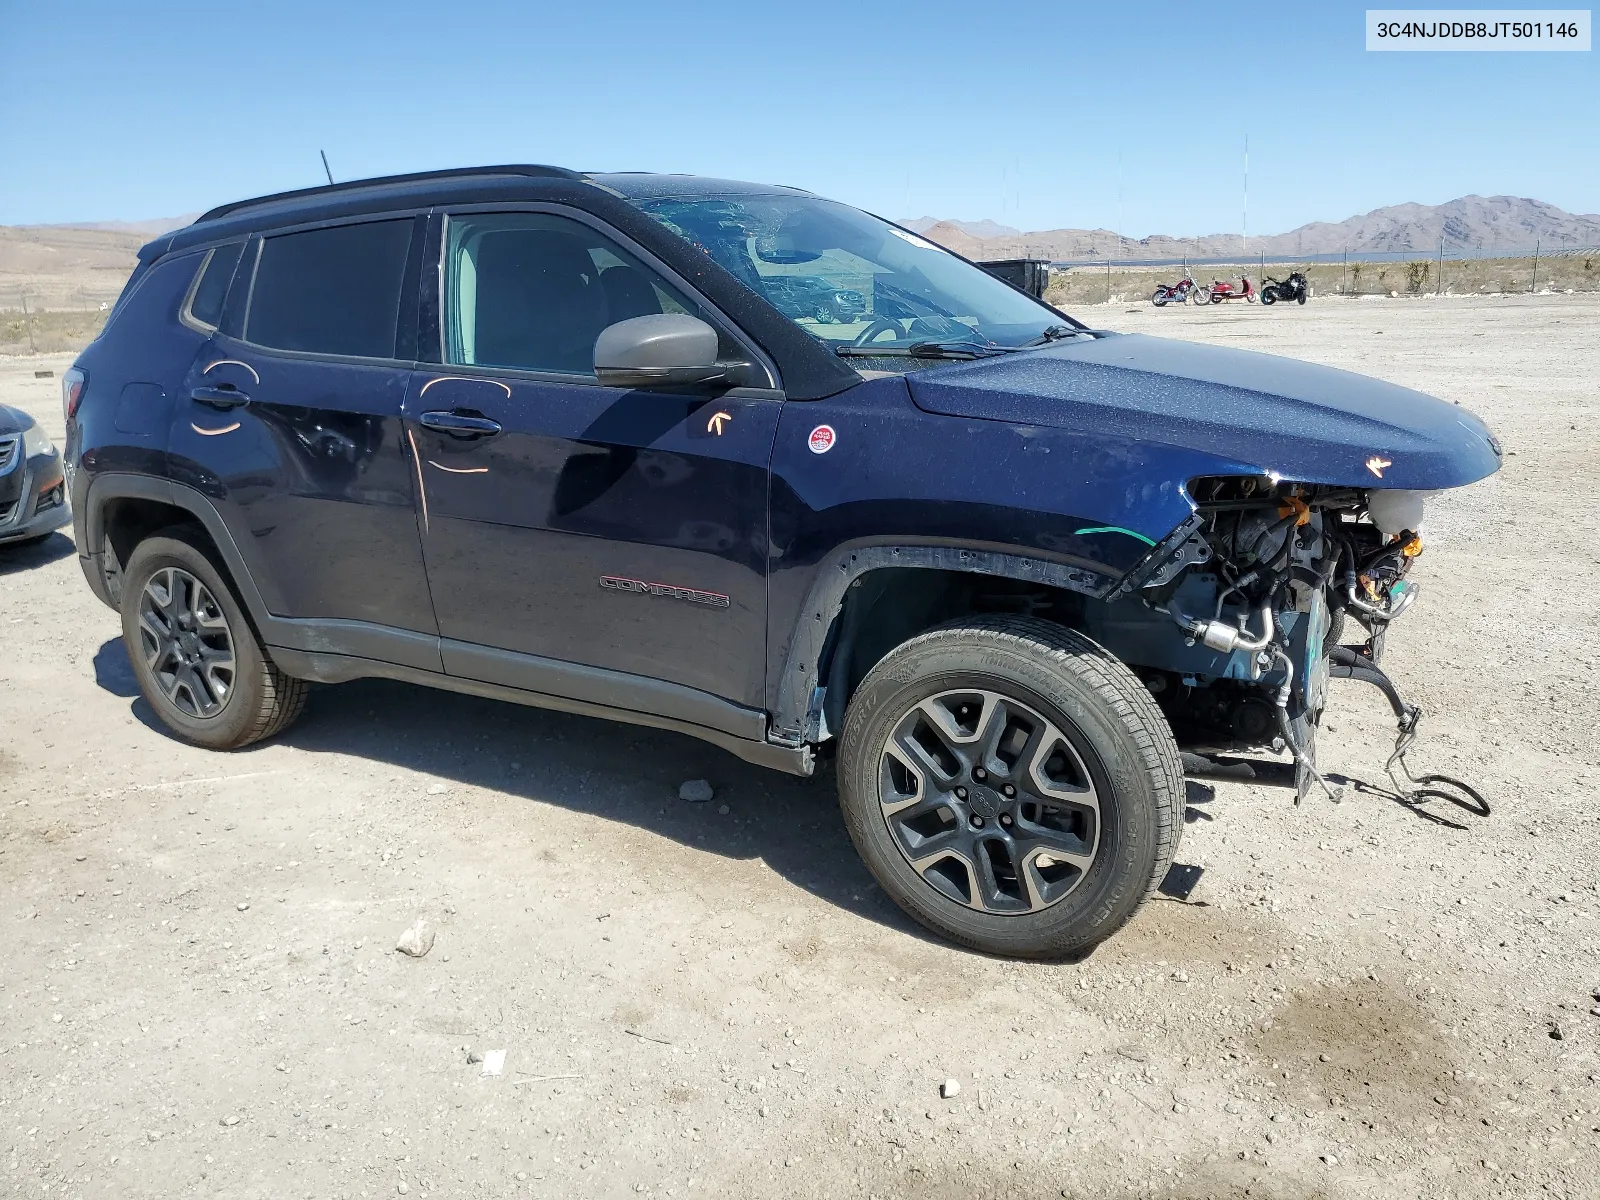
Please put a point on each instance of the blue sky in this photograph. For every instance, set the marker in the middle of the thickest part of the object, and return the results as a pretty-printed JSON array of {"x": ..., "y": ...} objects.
[{"x": 1037, "y": 115}]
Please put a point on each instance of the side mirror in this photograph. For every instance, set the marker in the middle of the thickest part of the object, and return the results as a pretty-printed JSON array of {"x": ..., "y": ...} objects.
[{"x": 663, "y": 349}]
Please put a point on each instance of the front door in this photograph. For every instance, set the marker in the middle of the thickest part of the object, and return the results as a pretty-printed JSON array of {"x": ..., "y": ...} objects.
[{"x": 563, "y": 520}]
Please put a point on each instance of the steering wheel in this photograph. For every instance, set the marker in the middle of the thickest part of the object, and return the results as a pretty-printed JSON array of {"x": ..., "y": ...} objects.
[{"x": 879, "y": 325}]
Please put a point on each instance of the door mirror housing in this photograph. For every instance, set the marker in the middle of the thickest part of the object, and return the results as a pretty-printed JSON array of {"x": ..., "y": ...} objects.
[{"x": 662, "y": 349}]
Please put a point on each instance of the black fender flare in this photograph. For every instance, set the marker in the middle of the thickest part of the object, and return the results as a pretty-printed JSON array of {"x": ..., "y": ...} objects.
[
  {"x": 793, "y": 719},
  {"x": 115, "y": 485},
  {"x": 359, "y": 639}
]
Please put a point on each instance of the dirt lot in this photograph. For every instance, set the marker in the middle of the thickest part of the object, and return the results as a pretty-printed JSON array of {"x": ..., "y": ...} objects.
[{"x": 200, "y": 994}]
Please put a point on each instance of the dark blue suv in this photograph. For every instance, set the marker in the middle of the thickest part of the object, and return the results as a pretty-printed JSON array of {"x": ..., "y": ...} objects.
[{"x": 566, "y": 439}]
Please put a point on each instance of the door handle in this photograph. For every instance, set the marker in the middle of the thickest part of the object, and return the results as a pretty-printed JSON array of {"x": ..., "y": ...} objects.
[
  {"x": 459, "y": 424},
  {"x": 220, "y": 397}
]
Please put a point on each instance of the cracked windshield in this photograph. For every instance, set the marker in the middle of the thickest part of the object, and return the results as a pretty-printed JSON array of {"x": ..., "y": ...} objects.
[{"x": 855, "y": 282}]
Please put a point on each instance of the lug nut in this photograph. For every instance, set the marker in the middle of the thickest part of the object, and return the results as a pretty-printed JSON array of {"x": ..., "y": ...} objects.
[
  {"x": 977, "y": 822},
  {"x": 980, "y": 773},
  {"x": 1010, "y": 791},
  {"x": 1005, "y": 819},
  {"x": 961, "y": 793}
]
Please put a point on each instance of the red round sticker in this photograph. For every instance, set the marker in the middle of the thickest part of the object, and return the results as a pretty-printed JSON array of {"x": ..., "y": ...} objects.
[{"x": 821, "y": 439}]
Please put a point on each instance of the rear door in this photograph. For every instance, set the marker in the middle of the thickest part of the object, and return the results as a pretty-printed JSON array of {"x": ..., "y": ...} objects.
[
  {"x": 569, "y": 521},
  {"x": 290, "y": 421}
]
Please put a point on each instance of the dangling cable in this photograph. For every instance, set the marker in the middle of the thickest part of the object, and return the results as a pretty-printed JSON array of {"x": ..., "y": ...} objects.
[
  {"x": 1422, "y": 787},
  {"x": 1345, "y": 663},
  {"x": 1287, "y": 731}
]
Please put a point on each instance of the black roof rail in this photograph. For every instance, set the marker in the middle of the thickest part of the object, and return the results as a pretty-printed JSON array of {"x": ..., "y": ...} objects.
[{"x": 533, "y": 170}]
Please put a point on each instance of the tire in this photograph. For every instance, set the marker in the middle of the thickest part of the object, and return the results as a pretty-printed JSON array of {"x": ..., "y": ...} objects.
[
  {"x": 1200, "y": 296},
  {"x": 1301, "y": 298},
  {"x": 1269, "y": 295},
  {"x": 111, "y": 571},
  {"x": 1215, "y": 298},
  {"x": 1159, "y": 297},
  {"x": 250, "y": 699},
  {"x": 1100, "y": 729}
]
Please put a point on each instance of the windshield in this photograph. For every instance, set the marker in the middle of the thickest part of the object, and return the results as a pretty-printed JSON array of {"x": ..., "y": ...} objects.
[{"x": 854, "y": 282}]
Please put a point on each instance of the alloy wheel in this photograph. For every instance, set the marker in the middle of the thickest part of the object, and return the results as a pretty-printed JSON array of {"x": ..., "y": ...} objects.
[
  {"x": 186, "y": 642},
  {"x": 989, "y": 801}
]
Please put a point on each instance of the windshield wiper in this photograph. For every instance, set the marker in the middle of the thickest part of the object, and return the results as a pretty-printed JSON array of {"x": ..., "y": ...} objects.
[
  {"x": 955, "y": 349},
  {"x": 1056, "y": 333}
]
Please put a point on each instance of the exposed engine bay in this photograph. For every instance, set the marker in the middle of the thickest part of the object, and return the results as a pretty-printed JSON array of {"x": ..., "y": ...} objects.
[
  {"x": 1239, "y": 631},
  {"x": 1236, "y": 623}
]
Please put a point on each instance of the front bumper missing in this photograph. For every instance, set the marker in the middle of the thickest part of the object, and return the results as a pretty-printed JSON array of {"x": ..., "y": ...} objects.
[{"x": 1346, "y": 662}]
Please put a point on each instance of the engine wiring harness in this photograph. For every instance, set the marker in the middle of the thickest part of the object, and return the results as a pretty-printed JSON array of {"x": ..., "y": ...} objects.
[{"x": 1270, "y": 542}]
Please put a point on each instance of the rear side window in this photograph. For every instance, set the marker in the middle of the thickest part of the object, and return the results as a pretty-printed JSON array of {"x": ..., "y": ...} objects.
[
  {"x": 205, "y": 306},
  {"x": 331, "y": 291}
]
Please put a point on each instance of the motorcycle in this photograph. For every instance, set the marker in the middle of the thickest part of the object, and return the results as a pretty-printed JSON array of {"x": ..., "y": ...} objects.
[
  {"x": 1293, "y": 288},
  {"x": 1220, "y": 291},
  {"x": 1175, "y": 293}
]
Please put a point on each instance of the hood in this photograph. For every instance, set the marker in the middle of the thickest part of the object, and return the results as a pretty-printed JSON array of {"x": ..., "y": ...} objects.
[
  {"x": 13, "y": 420},
  {"x": 1303, "y": 422}
]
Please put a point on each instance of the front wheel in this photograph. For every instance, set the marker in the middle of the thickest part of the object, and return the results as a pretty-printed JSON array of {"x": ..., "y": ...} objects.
[
  {"x": 1200, "y": 296},
  {"x": 1011, "y": 785},
  {"x": 193, "y": 651}
]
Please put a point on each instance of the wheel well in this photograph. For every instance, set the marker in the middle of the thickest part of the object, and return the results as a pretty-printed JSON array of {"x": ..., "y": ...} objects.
[
  {"x": 888, "y": 606},
  {"x": 128, "y": 520}
]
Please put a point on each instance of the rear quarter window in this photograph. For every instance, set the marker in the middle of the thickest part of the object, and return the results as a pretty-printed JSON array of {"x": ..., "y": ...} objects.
[
  {"x": 331, "y": 291},
  {"x": 151, "y": 299},
  {"x": 211, "y": 288}
]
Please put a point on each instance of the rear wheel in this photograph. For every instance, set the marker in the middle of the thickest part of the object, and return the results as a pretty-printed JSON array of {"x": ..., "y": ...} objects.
[
  {"x": 1269, "y": 295},
  {"x": 1159, "y": 297},
  {"x": 111, "y": 571},
  {"x": 1011, "y": 785},
  {"x": 195, "y": 654}
]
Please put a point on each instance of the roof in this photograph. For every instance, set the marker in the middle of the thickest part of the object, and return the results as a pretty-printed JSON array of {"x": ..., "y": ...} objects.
[
  {"x": 648, "y": 185},
  {"x": 508, "y": 182},
  {"x": 384, "y": 183}
]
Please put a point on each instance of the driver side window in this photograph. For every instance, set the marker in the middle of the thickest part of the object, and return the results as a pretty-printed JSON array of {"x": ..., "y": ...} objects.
[{"x": 534, "y": 290}]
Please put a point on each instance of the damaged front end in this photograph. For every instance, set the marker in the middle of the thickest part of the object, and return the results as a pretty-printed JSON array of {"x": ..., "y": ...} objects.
[{"x": 1237, "y": 622}]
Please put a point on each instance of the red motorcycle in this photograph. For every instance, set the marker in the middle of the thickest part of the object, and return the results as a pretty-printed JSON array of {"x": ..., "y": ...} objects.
[
  {"x": 1220, "y": 291},
  {"x": 1174, "y": 293}
]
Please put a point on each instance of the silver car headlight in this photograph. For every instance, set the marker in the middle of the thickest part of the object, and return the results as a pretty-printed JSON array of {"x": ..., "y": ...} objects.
[{"x": 36, "y": 441}]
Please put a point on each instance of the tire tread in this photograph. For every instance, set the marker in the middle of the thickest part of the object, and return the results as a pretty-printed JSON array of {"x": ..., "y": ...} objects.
[
  {"x": 278, "y": 698},
  {"x": 1113, "y": 683}
]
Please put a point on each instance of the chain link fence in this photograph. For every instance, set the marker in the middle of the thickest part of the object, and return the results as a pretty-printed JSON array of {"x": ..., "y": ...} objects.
[
  {"x": 1448, "y": 271},
  {"x": 48, "y": 317},
  {"x": 51, "y": 320}
]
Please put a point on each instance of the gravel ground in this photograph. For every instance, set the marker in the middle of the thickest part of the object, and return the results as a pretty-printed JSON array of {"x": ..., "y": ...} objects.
[{"x": 200, "y": 993}]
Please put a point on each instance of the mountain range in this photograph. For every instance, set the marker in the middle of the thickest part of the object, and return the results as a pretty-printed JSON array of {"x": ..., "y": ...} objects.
[
  {"x": 1486, "y": 224},
  {"x": 85, "y": 264}
]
